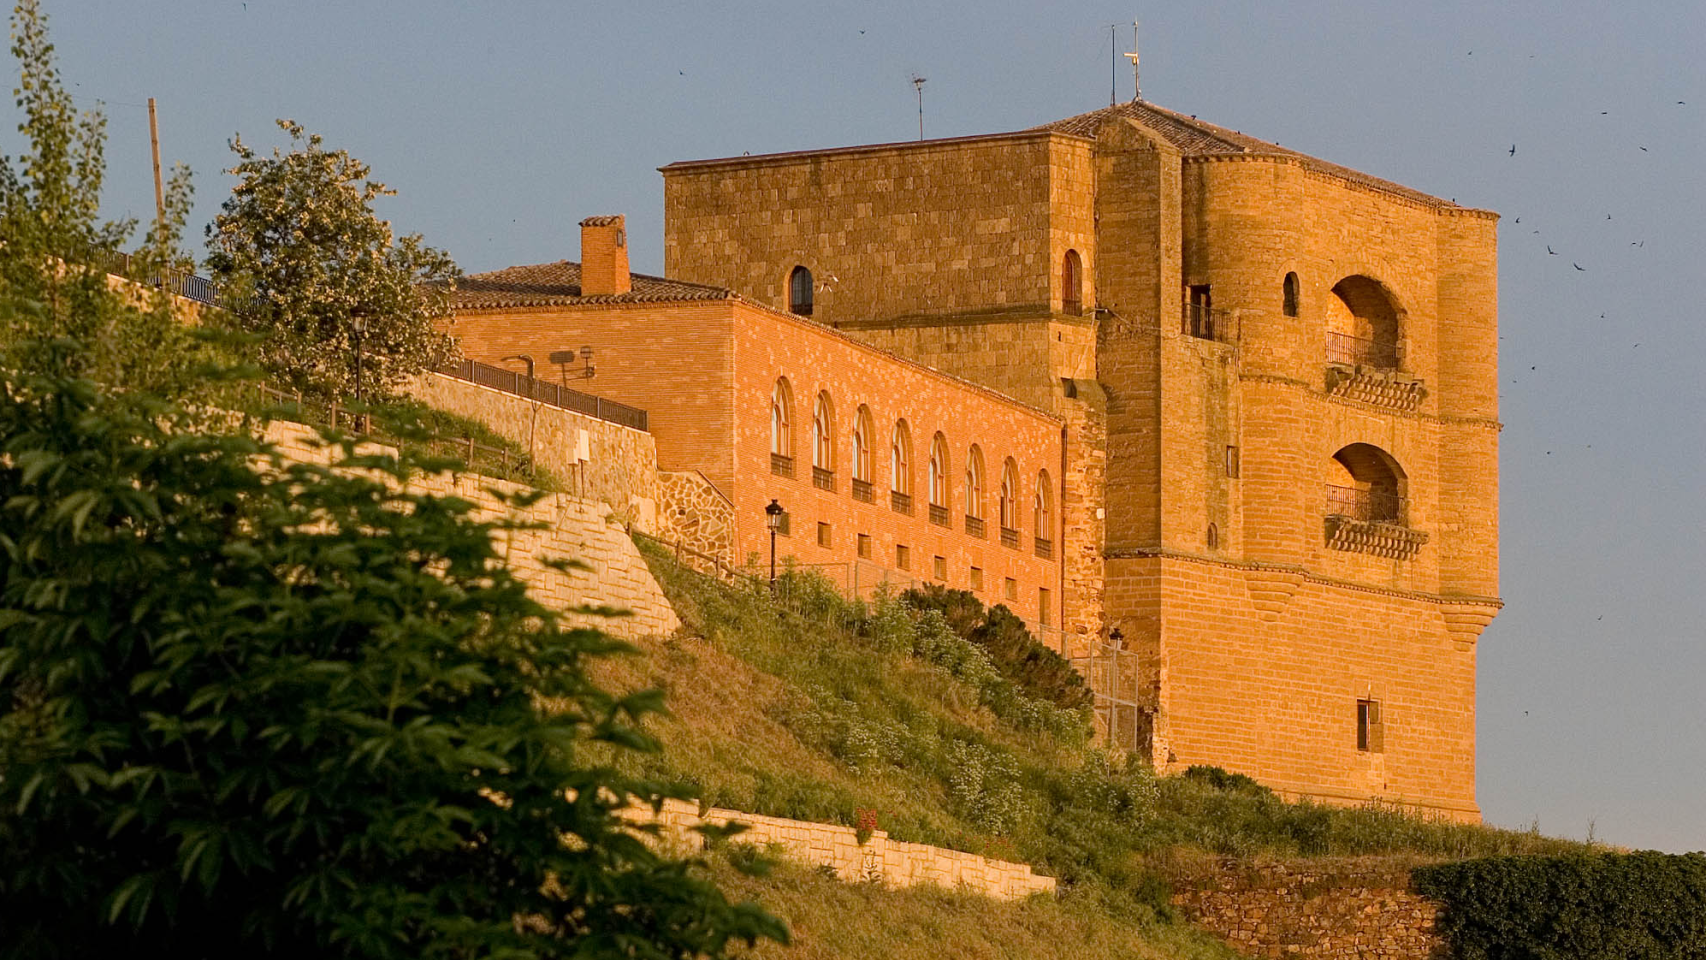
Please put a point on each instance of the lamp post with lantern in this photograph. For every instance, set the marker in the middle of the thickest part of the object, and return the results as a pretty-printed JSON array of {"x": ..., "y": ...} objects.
[
  {"x": 358, "y": 326},
  {"x": 773, "y": 519}
]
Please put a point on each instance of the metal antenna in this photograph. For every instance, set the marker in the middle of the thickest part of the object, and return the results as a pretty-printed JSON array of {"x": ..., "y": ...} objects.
[
  {"x": 1113, "y": 62},
  {"x": 1136, "y": 84},
  {"x": 918, "y": 85}
]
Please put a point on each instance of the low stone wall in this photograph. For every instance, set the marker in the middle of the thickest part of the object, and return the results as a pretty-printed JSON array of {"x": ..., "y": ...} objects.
[
  {"x": 878, "y": 859},
  {"x": 1362, "y": 909},
  {"x": 577, "y": 529},
  {"x": 692, "y": 512},
  {"x": 595, "y": 459}
]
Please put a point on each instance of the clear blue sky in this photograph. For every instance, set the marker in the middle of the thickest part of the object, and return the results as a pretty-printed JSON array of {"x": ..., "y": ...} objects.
[{"x": 502, "y": 124}]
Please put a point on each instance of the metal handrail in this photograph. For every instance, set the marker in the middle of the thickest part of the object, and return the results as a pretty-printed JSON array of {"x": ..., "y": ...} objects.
[
  {"x": 1366, "y": 506},
  {"x": 544, "y": 391},
  {"x": 1361, "y": 351}
]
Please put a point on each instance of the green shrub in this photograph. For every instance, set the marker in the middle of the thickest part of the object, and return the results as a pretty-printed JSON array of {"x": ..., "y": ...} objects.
[
  {"x": 984, "y": 784},
  {"x": 1638, "y": 906},
  {"x": 1037, "y": 671},
  {"x": 1225, "y": 780}
]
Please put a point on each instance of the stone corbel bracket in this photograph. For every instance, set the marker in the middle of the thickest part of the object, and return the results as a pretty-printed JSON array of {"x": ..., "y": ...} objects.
[
  {"x": 1271, "y": 589},
  {"x": 1380, "y": 539},
  {"x": 1381, "y": 388}
]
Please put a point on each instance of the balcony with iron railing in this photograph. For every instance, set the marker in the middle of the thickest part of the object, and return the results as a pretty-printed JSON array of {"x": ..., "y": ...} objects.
[
  {"x": 974, "y": 526},
  {"x": 823, "y": 479},
  {"x": 1010, "y": 537},
  {"x": 900, "y": 502},
  {"x": 1370, "y": 521},
  {"x": 1361, "y": 351},
  {"x": 863, "y": 492},
  {"x": 1201, "y": 321},
  {"x": 1044, "y": 548},
  {"x": 782, "y": 465},
  {"x": 939, "y": 515}
]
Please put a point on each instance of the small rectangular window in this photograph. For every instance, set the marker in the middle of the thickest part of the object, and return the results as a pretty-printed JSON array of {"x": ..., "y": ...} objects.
[
  {"x": 903, "y": 556},
  {"x": 785, "y": 528},
  {"x": 1045, "y": 604},
  {"x": 1371, "y": 731},
  {"x": 1232, "y": 466},
  {"x": 865, "y": 546},
  {"x": 1012, "y": 589},
  {"x": 977, "y": 578},
  {"x": 940, "y": 568},
  {"x": 824, "y": 535}
]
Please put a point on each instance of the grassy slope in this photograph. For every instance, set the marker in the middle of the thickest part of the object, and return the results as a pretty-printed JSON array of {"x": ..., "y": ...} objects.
[{"x": 817, "y": 708}]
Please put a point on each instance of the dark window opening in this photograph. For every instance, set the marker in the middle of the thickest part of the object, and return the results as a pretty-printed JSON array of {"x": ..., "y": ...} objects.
[
  {"x": 1291, "y": 295},
  {"x": 1072, "y": 284},
  {"x": 1213, "y": 538},
  {"x": 1199, "y": 313},
  {"x": 1371, "y": 732},
  {"x": 800, "y": 292},
  {"x": 1233, "y": 467}
]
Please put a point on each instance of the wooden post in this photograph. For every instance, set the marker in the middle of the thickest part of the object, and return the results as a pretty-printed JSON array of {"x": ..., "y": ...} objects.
[{"x": 159, "y": 185}]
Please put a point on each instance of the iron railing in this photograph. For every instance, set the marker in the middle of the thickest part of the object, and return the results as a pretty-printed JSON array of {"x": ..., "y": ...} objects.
[
  {"x": 823, "y": 479},
  {"x": 782, "y": 465},
  {"x": 178, "y": 282},
  {"x": 939, "y": 516},
  {"x": 1010, "y": 537},
  {"x": 1044, "y": 548},
  {"x": 544, "y": 391},
  {"x": 863, "y": 492},
  {"x": 900, "y": 502},
  {"x": 1361, "y": 351},
  {"x": 974, "y": 526},
  {"x": 1366, "y": 506}
]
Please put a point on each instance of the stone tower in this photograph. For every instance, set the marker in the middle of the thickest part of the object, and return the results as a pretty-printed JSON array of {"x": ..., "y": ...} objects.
[{"x": 1278, "y": 379}]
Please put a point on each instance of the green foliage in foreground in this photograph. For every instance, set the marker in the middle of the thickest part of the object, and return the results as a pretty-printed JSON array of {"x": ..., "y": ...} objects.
[
  {"x": 1586, "y": 906},
  {"x": 882, "y": 707},
  {"x": 259, "y": 708}
]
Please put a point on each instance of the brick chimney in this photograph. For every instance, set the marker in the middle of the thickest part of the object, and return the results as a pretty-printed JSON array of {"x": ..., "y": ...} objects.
[{"x": 604, "y": 257}]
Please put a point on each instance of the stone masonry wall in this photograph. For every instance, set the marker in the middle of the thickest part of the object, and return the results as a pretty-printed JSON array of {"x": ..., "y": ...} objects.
[
  {"x": 878, "y": 859},
  {"x": 693, "y": 513},
  {"x": 616, "y": 574},
  {"x": 619, "y": 466},
  {"x": 1321, "y": 911}
]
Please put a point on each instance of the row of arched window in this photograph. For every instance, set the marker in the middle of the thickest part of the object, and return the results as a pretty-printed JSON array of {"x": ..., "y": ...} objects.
[{"x": 938, "y": 472}]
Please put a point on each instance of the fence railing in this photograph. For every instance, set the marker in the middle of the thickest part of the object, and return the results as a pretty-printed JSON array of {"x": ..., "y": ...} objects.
[
  {"x": 477, "y": 457},
  {"x": 1205, "y": 323},
  {"x": 1361, "y": 351},
  {"x": 178, "y": 282},
  {"x": 544, "y": 391},
  {"x": 1366, "y": 506}
]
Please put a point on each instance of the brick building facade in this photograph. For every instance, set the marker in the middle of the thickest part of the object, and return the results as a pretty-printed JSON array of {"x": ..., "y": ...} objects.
[
  {"x": 888, "y": 470},
  {"x": 1276, "y": 381}
]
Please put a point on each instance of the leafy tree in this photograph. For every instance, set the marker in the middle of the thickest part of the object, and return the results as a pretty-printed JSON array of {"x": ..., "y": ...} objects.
[
  {"x": 299, "y": 233},
  {"x": 55, "y": 248},
  {"x": 251, "y": 707}
]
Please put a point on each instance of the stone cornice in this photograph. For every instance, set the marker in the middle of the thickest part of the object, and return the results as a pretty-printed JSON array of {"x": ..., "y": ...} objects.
[{"x": 1154, "y": 553}]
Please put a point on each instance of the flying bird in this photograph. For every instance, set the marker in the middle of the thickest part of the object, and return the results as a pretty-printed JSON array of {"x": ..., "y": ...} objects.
[
  {"x": 1643, "y": 149},
  {"x": 1578, "y": 266},
  {"x": 1608, "y": 216},
  {"x": 1550, "y": 250},
  {"x": 1513, "y": 149}
]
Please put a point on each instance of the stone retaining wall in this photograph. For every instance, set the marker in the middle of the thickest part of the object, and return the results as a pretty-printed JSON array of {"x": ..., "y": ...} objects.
[
  {"x": 1315, "y": 909},
  {"x": 577, "y": 529},
  {"x": 878, "y": 859}
]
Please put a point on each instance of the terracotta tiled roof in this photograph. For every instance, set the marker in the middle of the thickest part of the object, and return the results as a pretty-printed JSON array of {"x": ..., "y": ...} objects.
[
  {"x": 603, "y": 221},
  {"x": 1198, "y": 138},
  {"x": 552, "y": 284}
]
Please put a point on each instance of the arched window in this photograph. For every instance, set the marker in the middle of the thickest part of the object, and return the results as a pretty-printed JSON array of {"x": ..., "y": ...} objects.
[
  {"x": 974, "y": 483},
  {"x": 862, "y": 445},
  {"x": 1365, "y": 483},
  {"x": 1010, "y": 495},
  {"x": 823, "y": 433},
  {"x": 781, "y": 420},
  {"x": 1072, "y": 283},
  {"x": 900, "y": 460},
  {"x": 800, "y": 292},
  {"x": 1289, "y": 293},
  {"x": 1042, "y": 508},
  {"x": 1213, "y": 537},
  {"x": 1363, "y": 322},
  {"x": 939, "y": 473}
]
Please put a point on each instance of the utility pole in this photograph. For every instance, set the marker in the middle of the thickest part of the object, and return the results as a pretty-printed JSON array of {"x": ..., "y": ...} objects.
[
  {"x": 1113, "y": 62},
  {"x": 918, "y": 84},
  {"x": 159, "y": 185}
]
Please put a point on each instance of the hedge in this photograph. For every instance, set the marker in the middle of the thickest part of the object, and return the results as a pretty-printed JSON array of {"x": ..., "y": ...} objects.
[{"x": 1635, "y": 906}]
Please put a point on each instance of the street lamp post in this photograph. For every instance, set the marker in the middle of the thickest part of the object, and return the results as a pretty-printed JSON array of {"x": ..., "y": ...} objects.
[
  {"x": 358, "y": 324},
  {"x": 773, "y": 519}
]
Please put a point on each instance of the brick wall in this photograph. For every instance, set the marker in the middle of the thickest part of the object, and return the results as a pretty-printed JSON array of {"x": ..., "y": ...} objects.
[
  {"x": 615, "y": 575},
  {"x": 879, "y": 859},
  {"x": 621, "y": 469},
  {"x": 1327, "y": 910}
]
